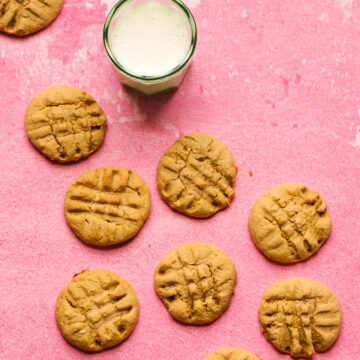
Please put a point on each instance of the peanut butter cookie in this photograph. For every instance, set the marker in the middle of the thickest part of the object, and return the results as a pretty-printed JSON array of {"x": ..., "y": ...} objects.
[
  {"x": 196, "y": 175},
  {"x": 107, "y": 206},
  {"x": 97, "y": 310},
  {"x": 227, "y": 353},
  {"x": 196, "y": 282},
  {"x": 24, "y": 17},
  {"x": 300, "y": 316},
  {"x": 289, "y": 223},
  {"x": 65, "y": 123}
]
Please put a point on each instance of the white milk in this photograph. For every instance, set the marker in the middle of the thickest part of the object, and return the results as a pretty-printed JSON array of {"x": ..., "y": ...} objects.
[{"x": 150, "y": 39}]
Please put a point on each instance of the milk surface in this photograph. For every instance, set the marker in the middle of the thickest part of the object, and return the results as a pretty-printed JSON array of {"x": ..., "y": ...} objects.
[{"x": 150, "y": 39}]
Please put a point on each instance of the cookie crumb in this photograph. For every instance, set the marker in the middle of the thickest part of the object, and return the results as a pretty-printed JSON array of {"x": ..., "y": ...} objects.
[{"x": 77, "y": 274}]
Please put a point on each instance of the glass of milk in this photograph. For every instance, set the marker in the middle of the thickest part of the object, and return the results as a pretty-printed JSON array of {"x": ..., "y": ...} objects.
[{"x": 150, "y": 43}]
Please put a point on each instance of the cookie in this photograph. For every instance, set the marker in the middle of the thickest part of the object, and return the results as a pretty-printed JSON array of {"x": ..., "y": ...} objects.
[
  {"x": 289, "y": 223},
  {"x": 65, "y": 123},
  {"x": 196, "y": 282},
  {"x": 300, "y": 316},
  {"x": 97, "y": 310},
  {"x": 227, "y": 353},
  {"x": 196, "y": 175},
  {"x": 24, "y": 17},
  {"x": 107, "y": 206}
]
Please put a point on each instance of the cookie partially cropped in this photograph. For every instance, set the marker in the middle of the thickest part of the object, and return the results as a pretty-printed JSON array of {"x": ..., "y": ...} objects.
[
  {"x": 65, "y": 123},
  {"x": 107, "y": 206},
  {"x": 196, "y": 175},
  {"x": 300, "y": 316},
  {"x": 227, "y": 353},
  {"x": 289, "y": 223},
  {"x": 196, "y": 282},
  {"x": 24, "y": 17},
  {"x": 97, "y": 310}
]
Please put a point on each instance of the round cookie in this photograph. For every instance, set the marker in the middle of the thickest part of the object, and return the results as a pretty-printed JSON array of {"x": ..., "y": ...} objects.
[
  {"x": 24, "y": 17},
  {"x": 300, "y": 316},
  {"x": 227, "y": 353},
  {"x": 65, "y": 123},
  {"x": 196, "y": 175},
  {"x": 289, "y": 223},
  {"x": 97, "y": 310},
  {"x": 107, "y": 206},
  {"x": 196, "y": 282}
]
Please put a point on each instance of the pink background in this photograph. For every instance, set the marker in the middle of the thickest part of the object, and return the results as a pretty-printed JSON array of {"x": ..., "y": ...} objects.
[{"x": 278, "y": 81}]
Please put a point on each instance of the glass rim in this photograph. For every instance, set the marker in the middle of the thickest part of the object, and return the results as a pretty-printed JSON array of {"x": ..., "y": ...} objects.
[{"x": 173, "y": 71}]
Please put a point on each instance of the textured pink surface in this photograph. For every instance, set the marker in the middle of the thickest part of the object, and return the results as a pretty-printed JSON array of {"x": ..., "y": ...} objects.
[{"x": 277, "y": 81}]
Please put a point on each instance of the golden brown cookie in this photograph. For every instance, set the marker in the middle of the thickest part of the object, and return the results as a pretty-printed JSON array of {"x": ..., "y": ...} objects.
[
  {"x": 289, "y": 223},
  {"x": 196, "y": 175},
  {"x": 227, "y": 353},
  {"x": 65, "y": 123},
  {"x": 24, "y": 17},
  {"x": 300, "y": 316},
  {"x": 107, "y": 206},
  {"x": 97, "y": 310},
  {"x": 196, "y": 282}
]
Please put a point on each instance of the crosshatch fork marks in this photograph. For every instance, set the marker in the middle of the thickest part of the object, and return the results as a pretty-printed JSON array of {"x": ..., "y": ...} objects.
[
  {"x": 196, "y": 282},
  {"x": 227, "y": 353},
  {"x": 96, "y": 310},
  {"x": 65, "y": 123},
  {"x": 23, "y": 17},
  {"x": 196, "y": 175},
  {"x": 289, "y": 223},
  {"x": 107, "y": 206},
  {"x": 300, "y": 316}
]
